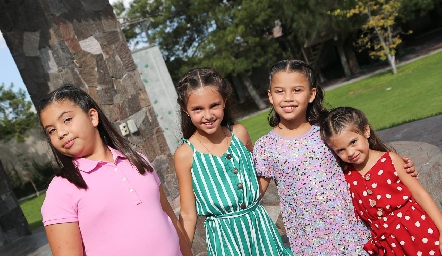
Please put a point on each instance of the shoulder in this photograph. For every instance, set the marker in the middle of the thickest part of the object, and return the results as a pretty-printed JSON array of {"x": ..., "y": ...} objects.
[
  {"x": 183, "y": 156},
  {"x": 241, "y": 133},
  {"x": 263, "y": 140},
  {"x": 239, "y": 130},
  {"x": 183, "y": 151},
  {"x": 395, "y": 159}
]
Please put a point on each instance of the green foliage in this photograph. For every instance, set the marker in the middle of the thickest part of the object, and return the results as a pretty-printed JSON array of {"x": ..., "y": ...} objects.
[
  {"x": 388, "y": 100},
  {"x": 226, "y": 35},
  {"x": 16, "y": 115}
]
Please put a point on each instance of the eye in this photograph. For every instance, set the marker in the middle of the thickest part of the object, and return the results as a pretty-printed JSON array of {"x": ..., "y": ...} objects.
[
  {"x": 297, "y": 90},
  {"x": 352, "y": 142},
  {"x": 278, "y": 91},
  {"x": 338, "y": 151},
  {"x": 214, "y": 105},
  {"x": 196, "y": 110},
  {"x": 50, "y": 131},
  {"x": 67, "y": 120}
]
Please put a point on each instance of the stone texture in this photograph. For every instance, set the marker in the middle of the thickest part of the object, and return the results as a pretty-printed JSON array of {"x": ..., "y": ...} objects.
[
  {"x": 13, "y": 224},
  {"x": 56, "y": 7},
  {"x": 428, "y": 162},
  {"x": 30, "y": 43}
]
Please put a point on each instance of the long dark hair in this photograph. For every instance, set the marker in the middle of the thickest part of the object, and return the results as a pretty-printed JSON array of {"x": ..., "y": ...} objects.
[
  {"x": 198, "y": 78},
  {"x": 108, "y": 134},
  {"x": 347, "y": 117},
  {"x": 315, "y": 111}
]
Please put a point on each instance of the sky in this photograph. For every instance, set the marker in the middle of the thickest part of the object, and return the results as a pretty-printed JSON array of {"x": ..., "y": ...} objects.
[{"x": 8, "y": 70}]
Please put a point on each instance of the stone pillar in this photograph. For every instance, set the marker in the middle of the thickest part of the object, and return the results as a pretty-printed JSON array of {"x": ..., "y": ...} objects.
[
  {"x": 13, "y": 224},
  {"x": 80, "y": 42}
]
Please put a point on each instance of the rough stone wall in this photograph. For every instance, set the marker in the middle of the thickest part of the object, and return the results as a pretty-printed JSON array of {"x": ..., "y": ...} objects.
[
  {"x": 13, "y": 224},
  {"x": 54, "y": 42}
]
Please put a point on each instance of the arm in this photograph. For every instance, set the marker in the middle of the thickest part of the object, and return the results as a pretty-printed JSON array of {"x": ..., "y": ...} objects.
[
  {"x": 184, "y": 243},
  {"x": 419, "y": 193},
  {"x": 263, "y": 185},
  {"x": 183, "y": 164},
  {"x": 242, "y": 133},
  {"x": 65, "y": 239}
]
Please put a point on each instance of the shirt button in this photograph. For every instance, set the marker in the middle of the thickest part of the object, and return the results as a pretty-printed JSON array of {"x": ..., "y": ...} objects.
[
  {"x": 116, "y": 169},
  {"x": 124, "y": 179},
  {"x": 369, "y": 191},
  {"x": 372, "y": 203},
  {"x": 235, "y": 171},
  {"x": 379, "y": 212},
  {"x": 229, "y": 156},
  {"x": 367, "y": 177},
  {"x": 240, "y": 185},
  {"x": 243, "y": 206},
  {"x": 131, "y": 190}
]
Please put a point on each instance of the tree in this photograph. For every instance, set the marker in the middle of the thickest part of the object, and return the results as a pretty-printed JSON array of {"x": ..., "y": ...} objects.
[
  {"x": 16, "y": 114},
  {"x": 225, "y": 35},
  {"x": 379, "y": 31}
]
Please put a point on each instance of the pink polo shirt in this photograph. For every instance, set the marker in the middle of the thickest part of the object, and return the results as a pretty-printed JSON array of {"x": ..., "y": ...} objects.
[{"x": 120, "y": 212}]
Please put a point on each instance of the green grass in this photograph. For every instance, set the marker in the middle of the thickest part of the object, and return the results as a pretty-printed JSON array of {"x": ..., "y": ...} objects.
[
  {"x": 31, "y": 209},
  {"x": 388, "y": 100}
]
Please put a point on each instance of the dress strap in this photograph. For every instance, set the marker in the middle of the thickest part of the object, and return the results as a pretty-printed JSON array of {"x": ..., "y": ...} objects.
[
  {"x": 188, "y": 142},
  {"x": 230, "y": 128}
]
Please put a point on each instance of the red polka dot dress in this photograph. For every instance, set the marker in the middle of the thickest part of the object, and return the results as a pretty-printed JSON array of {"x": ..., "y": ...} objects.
[{"x": 399, "y": 226}]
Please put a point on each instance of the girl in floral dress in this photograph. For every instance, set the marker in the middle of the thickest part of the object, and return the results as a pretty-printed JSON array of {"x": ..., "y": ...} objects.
[
  {"x": 315, "y": 203},
  {"x": 403, "y": 218}
]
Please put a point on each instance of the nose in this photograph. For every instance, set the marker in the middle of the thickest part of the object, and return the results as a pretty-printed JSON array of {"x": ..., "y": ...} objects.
[
  {"x": 350, "y": 152},
  {"x": 208, "y": 115},
  {"x": 61, "y": 133},
  {"x": 288, "y": 97}
]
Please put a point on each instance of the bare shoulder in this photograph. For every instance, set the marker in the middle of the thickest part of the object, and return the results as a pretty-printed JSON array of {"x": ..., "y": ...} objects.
[
  {"x": 398, "y": 162},
  {"x": 241, "y": 132},
  {"x": 183, "y": 156}
]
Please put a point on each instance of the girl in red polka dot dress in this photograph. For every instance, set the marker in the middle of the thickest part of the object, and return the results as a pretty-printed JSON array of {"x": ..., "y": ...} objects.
[{"x": 403, "y": 218}]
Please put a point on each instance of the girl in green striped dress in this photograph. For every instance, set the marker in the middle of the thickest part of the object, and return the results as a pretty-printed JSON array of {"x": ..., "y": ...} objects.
[{"x": 215, "y": 172}]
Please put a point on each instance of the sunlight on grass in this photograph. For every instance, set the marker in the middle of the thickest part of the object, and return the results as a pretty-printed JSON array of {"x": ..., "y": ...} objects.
[{"x": 388, "y": 100}]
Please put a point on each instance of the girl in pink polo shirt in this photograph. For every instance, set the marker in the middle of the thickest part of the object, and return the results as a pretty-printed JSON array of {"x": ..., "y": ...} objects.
[{"x": 106, "y": 199}]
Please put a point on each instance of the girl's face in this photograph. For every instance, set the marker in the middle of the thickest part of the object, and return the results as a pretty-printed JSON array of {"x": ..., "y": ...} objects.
[
  {"x": 290, "y": 95},
  {"x": 351, "y": 147},
  {"x": 70, "y": 130},
  {"x": 205, "y": 106}
]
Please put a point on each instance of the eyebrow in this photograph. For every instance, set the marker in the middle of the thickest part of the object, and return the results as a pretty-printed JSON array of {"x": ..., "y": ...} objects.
[{"x": 62, "y": 113}]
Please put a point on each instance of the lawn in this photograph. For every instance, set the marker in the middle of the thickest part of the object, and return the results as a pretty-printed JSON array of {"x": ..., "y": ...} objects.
[
  {"x": 388, "y": 100},
  {"x": 31, "y": 209}
]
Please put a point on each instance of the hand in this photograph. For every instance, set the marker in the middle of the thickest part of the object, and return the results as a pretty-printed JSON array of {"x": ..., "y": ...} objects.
[
  {"x": 409, "y": 167},
  {"x": 440, "y": 243}
]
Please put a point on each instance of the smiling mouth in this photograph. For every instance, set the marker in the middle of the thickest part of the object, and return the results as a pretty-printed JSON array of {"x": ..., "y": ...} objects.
[
  {"x": 288, "y": 108},
  {"x": 355, "y": 158}
]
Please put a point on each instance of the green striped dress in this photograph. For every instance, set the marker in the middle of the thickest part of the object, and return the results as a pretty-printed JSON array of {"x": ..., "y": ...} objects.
[{"x": 226, "y": 191}]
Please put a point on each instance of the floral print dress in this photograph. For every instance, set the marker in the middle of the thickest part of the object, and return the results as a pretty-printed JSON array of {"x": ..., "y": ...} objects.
[{"x": 315, "y": 202}]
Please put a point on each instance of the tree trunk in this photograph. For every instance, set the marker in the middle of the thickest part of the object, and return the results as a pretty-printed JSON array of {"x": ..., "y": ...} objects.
[
  {"x": 239, "y": 89},
  {"x": 343, "y": 58},
  {"x": 351, "y": 57},
  {"x": 80, "y": 42},
  {"x": 392, "y": 60},
  {"x": 255, "y": 96}
]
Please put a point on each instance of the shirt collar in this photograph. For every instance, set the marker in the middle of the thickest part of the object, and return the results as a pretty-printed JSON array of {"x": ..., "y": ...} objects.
[{"x": 86, "y": 165}]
